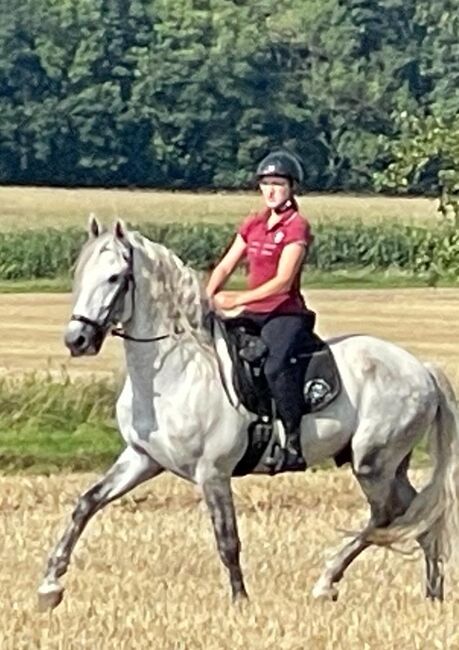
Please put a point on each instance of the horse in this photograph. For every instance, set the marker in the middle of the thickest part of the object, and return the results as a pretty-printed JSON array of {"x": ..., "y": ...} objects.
[{"x": 175, "y": 413}]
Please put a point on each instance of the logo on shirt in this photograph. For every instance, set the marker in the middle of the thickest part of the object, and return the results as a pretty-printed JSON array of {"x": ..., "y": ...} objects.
[{"x": 279, "y": 236}]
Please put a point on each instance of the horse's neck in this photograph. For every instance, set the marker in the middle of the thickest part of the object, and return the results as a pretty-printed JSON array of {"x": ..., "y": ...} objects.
[{"x": 166, "y": 303}]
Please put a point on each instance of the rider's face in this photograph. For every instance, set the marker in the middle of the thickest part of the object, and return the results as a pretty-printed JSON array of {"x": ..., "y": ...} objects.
[{"x": 276, "y": 190}]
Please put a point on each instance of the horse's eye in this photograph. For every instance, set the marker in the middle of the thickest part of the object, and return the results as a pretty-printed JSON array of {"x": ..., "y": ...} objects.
[{"x": 113, "y": 278}]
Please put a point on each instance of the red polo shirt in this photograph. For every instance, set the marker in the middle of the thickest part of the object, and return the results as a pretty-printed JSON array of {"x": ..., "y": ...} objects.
[{"x": 264, "y": 248}]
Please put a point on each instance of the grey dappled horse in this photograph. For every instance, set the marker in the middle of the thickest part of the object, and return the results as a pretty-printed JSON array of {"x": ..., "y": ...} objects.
[{"x": 175, "y": 414}]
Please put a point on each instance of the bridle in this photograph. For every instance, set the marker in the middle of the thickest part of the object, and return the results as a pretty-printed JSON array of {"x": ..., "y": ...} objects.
[{"x": 101, "y": 328}]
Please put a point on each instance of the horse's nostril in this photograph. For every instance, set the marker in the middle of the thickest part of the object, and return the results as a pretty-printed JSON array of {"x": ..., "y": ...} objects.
[{"x": 80, "y": 341}]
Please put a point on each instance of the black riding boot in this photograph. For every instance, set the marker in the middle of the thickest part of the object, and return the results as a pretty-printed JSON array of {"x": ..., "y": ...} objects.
[{"x": 287, "y": 390}]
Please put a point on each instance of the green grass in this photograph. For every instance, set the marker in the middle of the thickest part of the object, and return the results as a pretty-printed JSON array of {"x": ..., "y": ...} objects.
[
  {"x": 32, "y": 207},
  {"x": 49, "y": 423},
  {"x": 39, "y": 285},
  {"x": 42, "y": 451},
  {"x": 358, "y": 278}
]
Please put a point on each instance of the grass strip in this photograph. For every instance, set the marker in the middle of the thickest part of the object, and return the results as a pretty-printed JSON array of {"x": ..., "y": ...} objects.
[
  {"x": 354, "y": 278},
  {"x": 50, "y": 423}
]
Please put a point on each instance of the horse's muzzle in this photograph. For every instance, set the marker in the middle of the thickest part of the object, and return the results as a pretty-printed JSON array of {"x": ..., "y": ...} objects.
[{"x": 83, "y": 339}]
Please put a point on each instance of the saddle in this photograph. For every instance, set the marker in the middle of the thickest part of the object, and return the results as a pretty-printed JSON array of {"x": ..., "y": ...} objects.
[{"x": 248, "y": 353}]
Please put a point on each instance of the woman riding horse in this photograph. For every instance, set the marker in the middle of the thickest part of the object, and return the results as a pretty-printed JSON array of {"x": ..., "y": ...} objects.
[{"x": 275, "y": 242}]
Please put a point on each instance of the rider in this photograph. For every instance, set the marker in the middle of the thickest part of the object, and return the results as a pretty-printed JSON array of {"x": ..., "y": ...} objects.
[{"x": 275, "y": 242}]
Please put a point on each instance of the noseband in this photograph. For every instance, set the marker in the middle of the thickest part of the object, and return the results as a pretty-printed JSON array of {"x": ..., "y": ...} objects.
[{"x": 100, "y": 328}]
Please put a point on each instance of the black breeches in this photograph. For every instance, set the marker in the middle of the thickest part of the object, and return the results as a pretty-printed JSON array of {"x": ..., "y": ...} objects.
[{"x": 285, "y": 335}]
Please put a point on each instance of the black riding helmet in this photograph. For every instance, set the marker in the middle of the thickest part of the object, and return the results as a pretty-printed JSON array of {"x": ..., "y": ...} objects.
[{"x": 281, "y": 163}]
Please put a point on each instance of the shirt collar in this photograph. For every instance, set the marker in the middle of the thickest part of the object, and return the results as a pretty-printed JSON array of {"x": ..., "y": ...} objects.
[{"x": 287, "y": 211}]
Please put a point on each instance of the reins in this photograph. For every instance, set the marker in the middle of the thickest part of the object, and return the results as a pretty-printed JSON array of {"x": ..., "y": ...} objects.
[{"x": 118, "y": 331}]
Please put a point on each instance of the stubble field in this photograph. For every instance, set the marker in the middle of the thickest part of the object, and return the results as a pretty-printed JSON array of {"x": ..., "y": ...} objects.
[
  {"x": 40, "y": 207},
  {"x": 146, "y": 574}
]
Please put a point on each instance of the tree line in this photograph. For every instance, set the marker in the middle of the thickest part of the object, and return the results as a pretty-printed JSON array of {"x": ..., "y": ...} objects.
[{"x": 192, "y": 93}]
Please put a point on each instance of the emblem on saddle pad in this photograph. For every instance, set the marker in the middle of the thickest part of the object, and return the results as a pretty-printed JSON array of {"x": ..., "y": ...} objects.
[{"x": 315, "y": 390}]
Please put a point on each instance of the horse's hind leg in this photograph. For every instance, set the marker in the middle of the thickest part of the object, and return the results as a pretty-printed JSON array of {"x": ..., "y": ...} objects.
[
  {"x": 434, "y": 568},
  {"x": 130, "y": 469},
  {"x": 219, "y": 499},
  {"x": 335, "y": 568},
  {"x": 388, "y": 498},
  {"x": 401, "y": 495}
]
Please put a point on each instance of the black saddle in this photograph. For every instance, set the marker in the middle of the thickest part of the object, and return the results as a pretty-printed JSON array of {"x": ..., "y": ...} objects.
[{"x": 248, "y": 352}]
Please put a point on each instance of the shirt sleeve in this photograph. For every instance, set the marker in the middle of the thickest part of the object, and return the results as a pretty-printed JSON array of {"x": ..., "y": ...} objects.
[
  {"x": 245, "y": 227},
  {"x": 299, "y": 233}
]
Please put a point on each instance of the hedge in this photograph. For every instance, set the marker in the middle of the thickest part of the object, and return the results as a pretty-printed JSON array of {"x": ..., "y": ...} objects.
[{"x": 50, "y": 253}]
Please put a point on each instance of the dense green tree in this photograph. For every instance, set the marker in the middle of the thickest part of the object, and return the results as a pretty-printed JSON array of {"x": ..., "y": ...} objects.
[
  {"x": 192, "y": 93},
  {"x": 438, "y": 54},
  {"x": 425, "y": 153}
]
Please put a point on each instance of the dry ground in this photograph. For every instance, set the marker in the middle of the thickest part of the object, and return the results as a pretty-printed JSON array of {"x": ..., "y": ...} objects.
[
  {"x": 37, "y": 207},
  {"x": 146, "y": 573},
  {"x": 425, "y": 321}
]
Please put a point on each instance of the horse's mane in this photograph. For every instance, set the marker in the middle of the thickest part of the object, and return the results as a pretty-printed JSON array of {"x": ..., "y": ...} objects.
[{"x": 176, "y": 287}]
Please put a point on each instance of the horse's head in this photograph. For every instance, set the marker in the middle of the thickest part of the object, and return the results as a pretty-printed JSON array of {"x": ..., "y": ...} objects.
[{"x": 102, "y": 291}]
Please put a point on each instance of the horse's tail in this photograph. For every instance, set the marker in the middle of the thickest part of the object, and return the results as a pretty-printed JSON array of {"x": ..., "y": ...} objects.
[{"x": 436, "y": 508}]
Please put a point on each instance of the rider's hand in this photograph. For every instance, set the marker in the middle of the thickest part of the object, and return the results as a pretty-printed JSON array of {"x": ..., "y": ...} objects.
[{"x": 227, "y": 299}]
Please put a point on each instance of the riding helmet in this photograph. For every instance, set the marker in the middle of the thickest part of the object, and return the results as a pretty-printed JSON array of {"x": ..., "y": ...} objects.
[{"x": 281, "y": 163}]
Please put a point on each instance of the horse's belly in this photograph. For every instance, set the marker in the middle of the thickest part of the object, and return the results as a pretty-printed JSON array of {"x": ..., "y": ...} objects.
[{"x": 323, "y": 437}]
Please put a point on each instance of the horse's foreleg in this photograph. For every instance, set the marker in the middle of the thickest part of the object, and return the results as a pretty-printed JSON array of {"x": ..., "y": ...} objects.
[
  {"x": 130, "y": 469},
  {"x": 219, "y": 499}
]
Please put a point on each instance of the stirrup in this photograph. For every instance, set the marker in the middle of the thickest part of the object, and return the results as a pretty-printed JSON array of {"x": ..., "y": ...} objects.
[{"x": 284, "y": 459}]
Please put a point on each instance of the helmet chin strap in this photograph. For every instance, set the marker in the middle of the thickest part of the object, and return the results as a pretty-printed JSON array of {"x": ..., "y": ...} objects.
[{"x": 283, "y": 207}]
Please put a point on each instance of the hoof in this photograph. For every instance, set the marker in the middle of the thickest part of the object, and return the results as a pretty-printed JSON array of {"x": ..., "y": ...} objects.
[
  {"x": 240, "y": 597},
  {"x": 325, "y": 591},
  {"x": 49, "y": 596}
]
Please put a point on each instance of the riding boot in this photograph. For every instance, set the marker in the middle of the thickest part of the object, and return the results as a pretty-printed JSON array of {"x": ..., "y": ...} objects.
[
  {"x": 287, "y": 390},
  {"x": 292, "y": 454}
]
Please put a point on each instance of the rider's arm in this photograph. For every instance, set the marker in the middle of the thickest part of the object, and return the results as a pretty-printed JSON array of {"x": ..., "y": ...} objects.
[
  {"x": 226, "y": 266},
  {"x": 287, "y": 269}
]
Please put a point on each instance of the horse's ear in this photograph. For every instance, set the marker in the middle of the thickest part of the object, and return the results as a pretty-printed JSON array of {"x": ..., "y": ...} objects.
[
  {"x": 94, "y": 226},
  {"x": 121, "y": 232}
]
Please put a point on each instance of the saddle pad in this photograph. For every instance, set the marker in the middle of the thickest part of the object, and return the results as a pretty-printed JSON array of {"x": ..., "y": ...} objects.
[{"x": 322, "y": 383}]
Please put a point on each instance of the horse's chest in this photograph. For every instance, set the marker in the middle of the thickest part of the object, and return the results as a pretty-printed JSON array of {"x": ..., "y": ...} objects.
[{"x": 161, "y": 429}]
